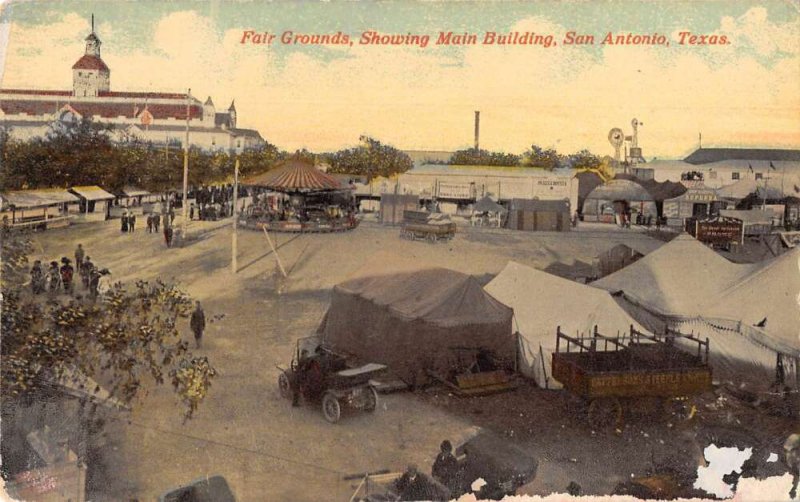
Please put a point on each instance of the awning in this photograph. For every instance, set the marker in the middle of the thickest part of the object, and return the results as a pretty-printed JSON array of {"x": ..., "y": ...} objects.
[
  {"x": 25, "y": 199},
  {"x": 92, "y": 193},
  {"x": 133, "y": 192}
]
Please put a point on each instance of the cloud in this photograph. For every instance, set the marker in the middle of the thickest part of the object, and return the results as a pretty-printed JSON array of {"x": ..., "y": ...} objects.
[{"x": 425, "y": 98}]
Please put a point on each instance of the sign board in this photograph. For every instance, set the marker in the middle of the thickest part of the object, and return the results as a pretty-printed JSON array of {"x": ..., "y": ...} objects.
[{"x": 718, "y": 231}]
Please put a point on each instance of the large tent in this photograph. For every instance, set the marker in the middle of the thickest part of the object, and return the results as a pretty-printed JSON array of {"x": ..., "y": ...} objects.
[
  {"x": 543, "y": 302},
  {"x": 676, "y": 279},
  {"x": 415, "y": 321},
  {"x": 607, "y": 202}
]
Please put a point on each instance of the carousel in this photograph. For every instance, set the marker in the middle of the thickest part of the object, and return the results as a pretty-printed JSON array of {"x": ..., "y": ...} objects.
[{"x": 297, "y": 197}]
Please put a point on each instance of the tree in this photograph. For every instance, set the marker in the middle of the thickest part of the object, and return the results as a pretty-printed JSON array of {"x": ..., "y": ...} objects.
[
  {"x": 126, "y": 339},
  {"x": 536, "y": 156},
  {"x": 583, "y": 159},
  {"x": 473, "y": 157},
  {"x": 371, "y": 158}
]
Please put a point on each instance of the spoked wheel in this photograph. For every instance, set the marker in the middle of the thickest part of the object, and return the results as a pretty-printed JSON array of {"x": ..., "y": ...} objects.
[
  {"x": 605, "y": 412},
  {"x": 284, "y": 386},
  {"x": 432, "y": 238},
  {"x": 371, "y": 399},
  {"x": 331, "y": 408}
]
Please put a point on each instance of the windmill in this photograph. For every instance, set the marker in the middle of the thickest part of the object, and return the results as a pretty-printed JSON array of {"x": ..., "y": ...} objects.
[{"x": 616, "y": 137}]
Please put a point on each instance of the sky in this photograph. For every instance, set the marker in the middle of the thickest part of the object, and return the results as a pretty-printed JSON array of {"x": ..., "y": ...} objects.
[{"x": 743, "y": 93}]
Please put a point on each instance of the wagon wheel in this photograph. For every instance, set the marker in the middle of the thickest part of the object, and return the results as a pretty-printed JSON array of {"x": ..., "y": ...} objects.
[
  {"x": 331, "y": 408},
  {"x": 432, "y": 237},
  {"x": 284, "y": 387},
  {"x": 371, "y": 399},
  {"x": 604, "y": 412}
]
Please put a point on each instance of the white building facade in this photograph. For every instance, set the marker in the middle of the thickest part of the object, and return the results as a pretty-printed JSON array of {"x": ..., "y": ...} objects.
[{"x": 158, "y": 117}]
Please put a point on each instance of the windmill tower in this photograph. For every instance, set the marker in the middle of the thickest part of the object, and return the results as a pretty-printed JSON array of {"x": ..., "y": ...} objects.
[
  {"x": 616, "y": 137},
  {"x": 635, "y": 151}
]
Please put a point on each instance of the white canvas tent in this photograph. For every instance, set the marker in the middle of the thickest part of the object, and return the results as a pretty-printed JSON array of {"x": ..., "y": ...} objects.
[
  {"x": 542, "y": 302},
  {"x": 676, "y": 279}
]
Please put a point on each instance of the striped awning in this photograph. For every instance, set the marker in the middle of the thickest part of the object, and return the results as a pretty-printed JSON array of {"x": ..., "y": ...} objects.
[{"x": 294, "y": 175}]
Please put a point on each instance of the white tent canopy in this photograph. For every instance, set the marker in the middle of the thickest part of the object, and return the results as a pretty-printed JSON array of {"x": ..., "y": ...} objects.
[
  {"x": 676, "y": 279},
  {"x": 542, "y": 302}
]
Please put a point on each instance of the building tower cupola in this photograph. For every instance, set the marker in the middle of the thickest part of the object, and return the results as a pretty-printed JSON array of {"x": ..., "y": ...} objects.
[
  {"x": 232, "y": 115},
  {"x": 90, "y": 75}
]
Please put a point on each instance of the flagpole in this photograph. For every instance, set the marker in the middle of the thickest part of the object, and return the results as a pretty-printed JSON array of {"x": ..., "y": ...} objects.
[{"x": 234, "y": 241}]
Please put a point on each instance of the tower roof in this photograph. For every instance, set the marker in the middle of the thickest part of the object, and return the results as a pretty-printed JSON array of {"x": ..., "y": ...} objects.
[
  {"x": 90, "y": 62},
  {"x": 92, "y": 37},
  {"x": 232, "y": 107},
  {"x": 209, "y": 102}
]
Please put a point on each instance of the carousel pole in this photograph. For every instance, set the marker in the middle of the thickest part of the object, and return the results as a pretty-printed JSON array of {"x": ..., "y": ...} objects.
[{"x": 234, "y": 237}]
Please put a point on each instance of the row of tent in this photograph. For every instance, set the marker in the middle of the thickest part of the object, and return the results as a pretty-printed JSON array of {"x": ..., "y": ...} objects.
[{"x": 418, "y": 319}]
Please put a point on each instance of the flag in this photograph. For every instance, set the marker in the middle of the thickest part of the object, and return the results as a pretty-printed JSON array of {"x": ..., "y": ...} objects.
[
  {"x": 751, "y": 167},
  {"x": 771, "y": 165}
]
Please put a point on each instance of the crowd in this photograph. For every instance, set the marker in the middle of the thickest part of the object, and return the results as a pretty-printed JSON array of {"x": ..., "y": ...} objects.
[{"x": 57, "y": 280}]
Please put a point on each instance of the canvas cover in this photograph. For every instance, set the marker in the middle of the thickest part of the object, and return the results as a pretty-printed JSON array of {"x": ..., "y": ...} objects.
[
  {"x": 414, "y": 321},
  {"x": 676, "y": 279},
  {"x": 542, "y": 302},
  {"x": 487, "y": 205}
]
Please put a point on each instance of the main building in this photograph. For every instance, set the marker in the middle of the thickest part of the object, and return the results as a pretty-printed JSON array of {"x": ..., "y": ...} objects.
[{"x": 158, "y": 117}]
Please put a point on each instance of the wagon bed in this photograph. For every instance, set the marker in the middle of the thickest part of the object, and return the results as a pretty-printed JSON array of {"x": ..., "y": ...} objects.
[{"x": 602, "y": 369}]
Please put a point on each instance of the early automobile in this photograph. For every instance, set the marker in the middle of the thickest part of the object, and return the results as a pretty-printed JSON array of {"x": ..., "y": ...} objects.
[{"x": 319, "y": 375}]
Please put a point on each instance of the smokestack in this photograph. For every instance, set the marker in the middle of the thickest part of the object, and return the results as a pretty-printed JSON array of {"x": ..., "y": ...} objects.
[{"x": 477, "y": 128}]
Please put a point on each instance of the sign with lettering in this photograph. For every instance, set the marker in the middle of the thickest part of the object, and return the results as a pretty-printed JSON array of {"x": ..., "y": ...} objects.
[{"x": 718, "y": 232}]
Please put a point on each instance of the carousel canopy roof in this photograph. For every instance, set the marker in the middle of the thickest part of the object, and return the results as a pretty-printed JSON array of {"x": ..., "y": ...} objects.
[{"x": 294, "y": 175}]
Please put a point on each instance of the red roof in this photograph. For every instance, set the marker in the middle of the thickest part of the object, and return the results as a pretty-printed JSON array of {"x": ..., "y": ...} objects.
[
  {"x": 88, "y": 62},
  {"x": 294, "y": 175},
  {"x": 42, "y": 92},
  {"x": 104, "y": 110},
  {"x": 153, "y": 95}
]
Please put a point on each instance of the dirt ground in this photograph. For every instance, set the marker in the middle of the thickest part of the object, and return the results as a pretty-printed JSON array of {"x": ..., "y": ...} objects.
[{"x": 268, "y": 450}]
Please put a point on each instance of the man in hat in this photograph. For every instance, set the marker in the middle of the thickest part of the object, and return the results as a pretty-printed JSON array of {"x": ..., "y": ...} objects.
[
  {"x": 445, "y": 467},
  {"x": 124, "y": 222},
  {"x": 198, "y": 323},
  {"x": 66, "y": 275},
  {"x": 131, "y": 223}
]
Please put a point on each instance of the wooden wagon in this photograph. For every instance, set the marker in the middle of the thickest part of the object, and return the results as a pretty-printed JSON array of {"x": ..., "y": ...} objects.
[
  {"x": 420, "y": 225},
  {"x": 604, "y": 370}
]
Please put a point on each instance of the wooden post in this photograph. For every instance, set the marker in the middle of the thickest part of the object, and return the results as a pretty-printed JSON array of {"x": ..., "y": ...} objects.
[
  {"x": 234, "y": 236},
  {"x": 278, "y": 258},
  {"x": 185, "y": 204}
]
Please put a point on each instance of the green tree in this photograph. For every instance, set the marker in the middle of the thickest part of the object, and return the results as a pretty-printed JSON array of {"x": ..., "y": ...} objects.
[
  {"x": 371, "y": 158},
  {"x": 583, "y": 159},
  {"x": 127, "y": 339},
  {"x": 473, "y": 157},
  {"x": 537, "y": 156}
]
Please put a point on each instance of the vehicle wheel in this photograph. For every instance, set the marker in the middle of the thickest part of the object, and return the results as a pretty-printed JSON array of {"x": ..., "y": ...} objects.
[
  {"x": 605, "y": 412},
  {"x": 284, "y": 386},
  {"x": 432, "y": 238},
  {"x": 372, "y": 399},
  {"x": 331, "y": 408}
]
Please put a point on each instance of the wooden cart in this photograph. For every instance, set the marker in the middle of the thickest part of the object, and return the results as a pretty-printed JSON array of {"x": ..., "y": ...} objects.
[
  {"x": 604, "y": 370},
  {"x": 418, "y": 225}
]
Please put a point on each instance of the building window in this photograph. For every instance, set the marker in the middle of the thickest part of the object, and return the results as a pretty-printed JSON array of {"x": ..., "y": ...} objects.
[
  {"x": 759, "y": 176},
  {"x": 734, "y": 176}
]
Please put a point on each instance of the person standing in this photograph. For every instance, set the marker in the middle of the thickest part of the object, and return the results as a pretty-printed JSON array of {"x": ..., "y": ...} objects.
[
  {"x": 156, "y": 222},
  {"x": 132, "y": 223},
  {"x": 37, "y": 278},
  {"x": 86, "y": 272},
  {"x": 167, "y": 234},
  {"x": 67, "y": 273},
  {"x": 54, "y": 283},
  {"x": 79, "y": 254},
  {"x": 94, "y": 282},
  {"x": 445, "y": 467},
  {"x": 149, "y": 223},
  {"x": 198, "y": 323}
]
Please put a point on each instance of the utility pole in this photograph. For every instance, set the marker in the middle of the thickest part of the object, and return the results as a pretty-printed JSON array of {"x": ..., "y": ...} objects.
[
  {"x": 185, "y": 204},
  {"x": 234, "y": 237}
]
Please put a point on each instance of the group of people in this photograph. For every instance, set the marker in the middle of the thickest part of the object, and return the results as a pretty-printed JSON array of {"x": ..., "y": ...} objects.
[
  {"x": 60, "y": 279},
  {"x": 213, "y": 202},
  {"x": 154, "y": 223}
]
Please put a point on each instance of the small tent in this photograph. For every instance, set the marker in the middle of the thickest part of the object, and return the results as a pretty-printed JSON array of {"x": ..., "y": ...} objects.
[
  {"x": 542, "y": 302},
  {"x": 415, "y": 321}
]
